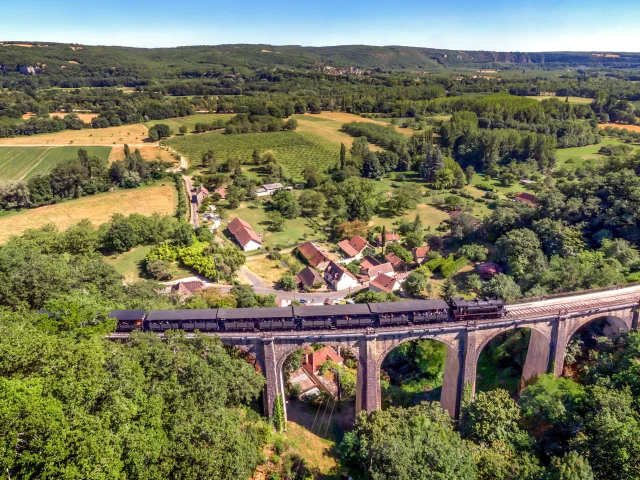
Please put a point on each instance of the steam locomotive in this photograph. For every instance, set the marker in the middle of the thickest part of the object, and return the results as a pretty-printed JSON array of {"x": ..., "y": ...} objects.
[{"x": 324, "y": 317}]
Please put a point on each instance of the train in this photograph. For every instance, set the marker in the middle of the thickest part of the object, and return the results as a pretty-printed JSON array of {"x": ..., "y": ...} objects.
[{"x": 300, "y": 318}]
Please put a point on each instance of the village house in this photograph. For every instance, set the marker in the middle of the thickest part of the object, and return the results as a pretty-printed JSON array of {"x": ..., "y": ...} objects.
[
  {"x": 307, "y": 378},
  {"x": 186, "y": 289},
  {"x": 384, "y": 283},
  {"x": 488, "y": 270},
  {"x": 246, "y": 237},
  {"x": 368, "y": 274},
  {"x": 396, "y": 261},
  {"x": 391, "y": 237},
  {"x": 309, "y": 278},
  {"x": 201, "y": 194},
  {"x": 222, "y": 192},
  {"x": 338, "y": 277},
  {"x": 355, "y": 247},
  {"x": 269, "y": 189},
  {"x": 527, "y": 198},
  {"x": 313, "y": 255},
  {"x": 420, "y": 254}
]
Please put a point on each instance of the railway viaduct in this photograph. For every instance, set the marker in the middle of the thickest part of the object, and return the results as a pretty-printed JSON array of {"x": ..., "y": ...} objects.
[{"x": 552, "y": 323}]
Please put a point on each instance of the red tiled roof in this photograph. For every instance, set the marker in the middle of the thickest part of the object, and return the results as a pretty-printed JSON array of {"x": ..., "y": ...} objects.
[
  {"x": 390, "y": 236},
  {"x": 489, "y": 268},
  {"x": 420, "y": 252},
  {"x": 367, "y": 262},
  {"x": 202, "y": 190},
  {"x": 354, "y": 246},
  {"x": 334, "y": 272},
  {"x": 243, "y": 232},
  {"x": 395, "y": 260},
  {"x": 526, "y": 198},
  {"x": 187, "y": 288},
  {"x": 384, "y": 282},
  {"x": 317, "y": 358},
  {"x": 380, "y": 269},
  {"x": 221, "y": 191},
  {"x": 312, "y": 254},
  {"x": 309, "y": 277}
]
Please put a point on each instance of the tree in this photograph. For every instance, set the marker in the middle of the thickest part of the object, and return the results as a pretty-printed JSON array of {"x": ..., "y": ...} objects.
[
  {"x": 245, "y": 296},
  {"x": 276, "y": 221},
  {"x": 502, "y": 286},
  {"x": 432, "y": 163},
  {"x": 287, "y": 282},
  {"x": 473, "y": 282},
  {"x": 383, "y": 238},
  {"x": 312, "y": 203},
  {"x": 360, "y": 147},
  {"x": 405, "y": 198},
  {"x": 183, "y": 129},
  {"x": 521, "y": 250},
  {"x": 449, "y": 289},
  {"x": 343, "y": 156},
  {"x": 311, "y": 175},
  {"x": 159, "y": 269},
  {"x": 278, "y": 414},
  {"x": 469, "y": 173},
  {"x": 415, "y": 283},
  {"x": 474, "y": 252},
  {"x": 371, "y": 167},
  {"x": 286, "y": 203},
  {"x": 183, "y": 234},
  {"x": 572, "y": 466},
  {"x": 120, "y": 236},
  {"x": 378, "y": 447}
]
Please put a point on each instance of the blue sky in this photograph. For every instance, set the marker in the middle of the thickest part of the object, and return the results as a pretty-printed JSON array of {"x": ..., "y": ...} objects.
[{"x": 516, "y": 25}]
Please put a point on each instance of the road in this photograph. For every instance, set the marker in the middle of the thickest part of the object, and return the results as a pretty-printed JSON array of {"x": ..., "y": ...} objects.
[
  {"x": 260, "y": 288},
  {"x": 188, "y": 184}
]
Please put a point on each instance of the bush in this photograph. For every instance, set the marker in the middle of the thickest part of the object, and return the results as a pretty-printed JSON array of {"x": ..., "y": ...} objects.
[
  {"x": 287, "y": 282},
  {"x": 159, "y": 269}
]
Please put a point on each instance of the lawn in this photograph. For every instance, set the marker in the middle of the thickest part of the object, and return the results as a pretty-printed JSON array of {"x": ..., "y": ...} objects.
[
  {"x": 97, "y": 208},
  {"x": 431, "y": 217},
  {"x": 131, "y": 134},
  {"x": 20, "y": 163},
  {"x": 584, "y": 153},
  {"x": 271, "y": 270},
  {"x": 294, "y": 231},
  {"x": 190, "y": 120},
  {"x": 481, "y": 178},
  {"x": 293, "y": 150},
  {"x": 131, "y": 265}
]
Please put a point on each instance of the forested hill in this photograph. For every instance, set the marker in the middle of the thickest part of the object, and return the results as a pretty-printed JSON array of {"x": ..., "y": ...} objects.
[{"x": 201, "y": 59}]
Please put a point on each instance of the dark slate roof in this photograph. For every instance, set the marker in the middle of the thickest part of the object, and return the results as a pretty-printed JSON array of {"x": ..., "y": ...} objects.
[
  {"x": 127, "y": 315},
  {"x": 254, "y": 313},
  {"x": 195, "y": 314},
  {"x": 328, "y": 310},
  {"x": 478, "y": 302},
  {"x": 410, "y": 306}
]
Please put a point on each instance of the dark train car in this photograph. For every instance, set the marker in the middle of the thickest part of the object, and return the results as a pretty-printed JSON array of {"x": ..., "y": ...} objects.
[
  {"x": 317, "y": 317},
  {"x": 204, "y": 320},
  {"x": 478, "y": 309},
  {"x": 415, "y": 311},
  {"x": 263, "y": 319},
  {"x": 128, "y": 320}
]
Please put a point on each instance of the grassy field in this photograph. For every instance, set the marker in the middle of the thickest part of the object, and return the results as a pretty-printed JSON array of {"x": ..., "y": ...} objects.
[
  {"x": 327, "y": 129},
  {"x": 131, "y": 265},
  {"x": 293, "y": 150},
  {"x": 342, "y": 117},
  {"x": 97, "y": 208},
  {"x": 270, "y": 270},
  {"x": 631, "y": 128},
  {"x": 576, "y": 100},
  {"x": 495, "y": 184},
  {"x": 294, "y": 231},
  {"x": 131, "y": 134},
  {"x": 566, "y": 156},
  {"x": 190, "y": 121},
  {"x": 19, "y": 163},
  {"x": 149, "y": 153}
]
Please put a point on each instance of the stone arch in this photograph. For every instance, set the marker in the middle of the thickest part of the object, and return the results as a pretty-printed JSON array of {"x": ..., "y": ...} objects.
[
  {"x": 538, "y": 350},
  {"x": 451, "y": 381},
  {"x": 620, "y": 321},
  {"x": 284, "y": 349}
]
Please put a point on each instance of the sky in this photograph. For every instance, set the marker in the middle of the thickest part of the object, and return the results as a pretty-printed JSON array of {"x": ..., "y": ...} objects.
[{"x": 515, "y": 25}]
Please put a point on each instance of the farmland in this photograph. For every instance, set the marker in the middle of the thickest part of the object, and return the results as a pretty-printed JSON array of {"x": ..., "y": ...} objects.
[
  {"x": 149, "y": 153},
  {"x": 327, "y": 129},
  {"x": 190, "y": 121},
  {"x": 131, "y": 134},
  {"x": 20, "y": 163},
  {"x": 293, "y": 150},
  {"x": 576, "y": 100},
  {"x": 97, "y": 208},
  {"x": 631, "y": 128}
]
